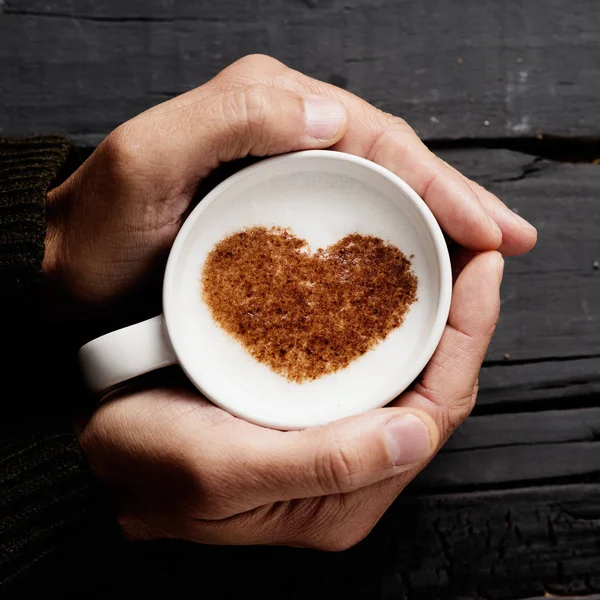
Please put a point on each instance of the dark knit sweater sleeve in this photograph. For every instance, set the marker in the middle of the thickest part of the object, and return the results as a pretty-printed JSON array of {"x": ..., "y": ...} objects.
[
  {"x": 48, "y": 500},
  {"x": 27, "y": 168}
]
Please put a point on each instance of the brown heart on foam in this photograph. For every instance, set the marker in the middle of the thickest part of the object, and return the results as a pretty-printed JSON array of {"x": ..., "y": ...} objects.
[{"x": 306, "y": 314}]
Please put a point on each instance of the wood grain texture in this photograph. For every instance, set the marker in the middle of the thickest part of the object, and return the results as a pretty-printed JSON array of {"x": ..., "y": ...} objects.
[
  {"x": 475, "y": 68},
  {"x": 521, "y": 387},
  {"x": 550, "y": 305},
  {"x": 496, "y": 450},
  {"x": 545, "y": 427},
  {"x": 497, "y": 545}
]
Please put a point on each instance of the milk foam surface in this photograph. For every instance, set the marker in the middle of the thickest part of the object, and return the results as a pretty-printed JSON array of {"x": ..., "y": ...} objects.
[{"x": 321, "y": 202}]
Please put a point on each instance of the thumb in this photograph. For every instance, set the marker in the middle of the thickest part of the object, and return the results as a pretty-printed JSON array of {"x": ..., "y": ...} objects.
[
  {"x": 343, "y": 456},
  {"x": 258, "y": 120}
]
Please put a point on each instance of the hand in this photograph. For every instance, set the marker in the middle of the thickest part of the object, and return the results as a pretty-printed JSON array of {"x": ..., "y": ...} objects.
[
  {"x": 180, "y": 467},
  {"x": 112, "y": 223}
]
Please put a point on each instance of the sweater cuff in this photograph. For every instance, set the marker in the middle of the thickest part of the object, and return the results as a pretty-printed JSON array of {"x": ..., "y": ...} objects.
[
  {"x": 27, "y": 169},
  {"x": 49, "y": 504}
]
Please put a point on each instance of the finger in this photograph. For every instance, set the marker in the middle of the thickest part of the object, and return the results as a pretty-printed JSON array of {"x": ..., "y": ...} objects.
[
  {"x": 261, "y": 466},
  {"x": 223, "y": 124},
  {"x": 518, "y": 235},
  {"x": 447, "y": 388},
  {"x": 450, "y": 198},
  {"x": 459, "y": 259}
]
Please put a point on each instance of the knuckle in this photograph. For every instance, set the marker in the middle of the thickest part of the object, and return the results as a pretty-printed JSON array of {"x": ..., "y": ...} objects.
[
  {"x": 249, "y": 69},
  {"x": 450, "y": 409},
  {"x": 256, "y": 62},
  {"x": 337, "y": 468},
  {"x": 398, "y": 124},
  {"x": 247, "y": 109},
  {"x": 391, "y": 129},
  {"x": 462, "y": 407},
  {"x": 256, "y": 106},
  {"x": 454, "y": 416},
  {"x": 123, "y": 146}
]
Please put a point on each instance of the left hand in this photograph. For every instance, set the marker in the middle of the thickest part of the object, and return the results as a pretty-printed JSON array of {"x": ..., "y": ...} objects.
[
  {"x": 113, "y": 222},
  {"x": 180, "y": 467}
]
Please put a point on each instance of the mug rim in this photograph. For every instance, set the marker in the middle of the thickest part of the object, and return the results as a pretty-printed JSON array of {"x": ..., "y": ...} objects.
[{"x": 437, "y": 237}]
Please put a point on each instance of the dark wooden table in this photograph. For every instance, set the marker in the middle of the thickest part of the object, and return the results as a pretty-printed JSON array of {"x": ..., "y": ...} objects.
[{"x": 509, "y": 92}]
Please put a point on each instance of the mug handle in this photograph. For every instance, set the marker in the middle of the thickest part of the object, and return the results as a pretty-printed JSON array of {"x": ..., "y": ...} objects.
[{"x": 126, "y": 353}]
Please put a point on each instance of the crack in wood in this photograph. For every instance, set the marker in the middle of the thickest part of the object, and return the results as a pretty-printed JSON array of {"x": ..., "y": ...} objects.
[
  {"x": 551, "y": 532},
  {"x": 444, "y": 544},
  {"x": 408, "y": 588},
  {"x": 534, "y": 361},
  {"x": 569, "y": 402},
  {"x": 567, "y": 149},
  {"x": 107, "y": 19},
  {"x": 537, "y": 165}
]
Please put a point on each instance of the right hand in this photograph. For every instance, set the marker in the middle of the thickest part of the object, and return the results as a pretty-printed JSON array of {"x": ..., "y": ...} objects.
[
  {"x": 113, "y": 222},
  {"x": 180, "y": 467}
]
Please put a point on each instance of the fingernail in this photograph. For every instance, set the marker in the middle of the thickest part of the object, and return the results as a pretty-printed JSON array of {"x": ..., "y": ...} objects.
[
  {"x": 495, "y": 226},
  {"x": 408, "y": 440},
  {"x": 324, "y": 117}
]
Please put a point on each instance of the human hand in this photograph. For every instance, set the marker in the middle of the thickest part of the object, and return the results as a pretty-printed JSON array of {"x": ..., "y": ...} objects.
[
  {"x": 180, "y": 467},
  {"x": 112, "y": 223}
]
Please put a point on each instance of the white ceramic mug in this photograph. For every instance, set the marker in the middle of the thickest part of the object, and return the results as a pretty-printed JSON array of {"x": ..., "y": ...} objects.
[{"x": 322, "y": 196}]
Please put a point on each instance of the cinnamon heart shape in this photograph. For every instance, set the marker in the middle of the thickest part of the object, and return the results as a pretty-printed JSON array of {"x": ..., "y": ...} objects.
[{"x": 306, "y": 314}]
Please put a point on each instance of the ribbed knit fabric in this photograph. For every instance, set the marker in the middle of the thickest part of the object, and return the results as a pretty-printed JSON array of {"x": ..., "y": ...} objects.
[
  {"x": 49, "y": 503},
  {"x": 27, "y": 167}
]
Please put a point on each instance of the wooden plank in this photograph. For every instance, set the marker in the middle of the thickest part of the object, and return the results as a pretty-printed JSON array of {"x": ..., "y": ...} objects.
[
  {"x": 550, "y": 297},
  {"x": 493, "y": 467},
  {"x": 496, "y": 450},
  {"x": 560, "y": 199},
  {"x": 545, "y": 427},
  {"x": 540, "y": 384},
  {"x": 474, "y": 69}
]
